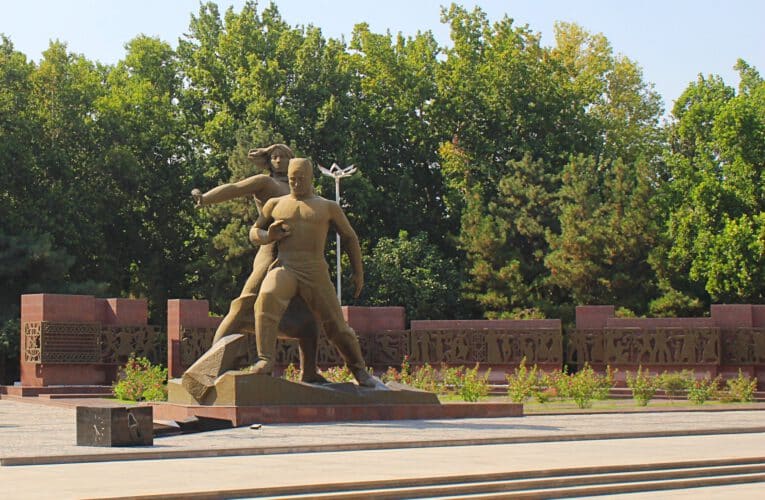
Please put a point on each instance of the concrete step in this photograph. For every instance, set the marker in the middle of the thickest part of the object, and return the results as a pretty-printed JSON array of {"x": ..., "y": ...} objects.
[
  {"x": 26, "y": 391},
  {"x": 93, "y": 395},
  {"x": 619, "y": 488},
  {"x": 555, "y": 483}
]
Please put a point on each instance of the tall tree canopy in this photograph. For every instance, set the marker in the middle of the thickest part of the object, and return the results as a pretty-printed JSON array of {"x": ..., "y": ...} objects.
[
  {"x": 498, "y": 177},
  {"x": 715, "y": 238}
]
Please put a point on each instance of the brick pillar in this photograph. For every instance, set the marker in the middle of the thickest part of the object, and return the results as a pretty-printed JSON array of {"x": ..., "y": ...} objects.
[
  {"x": 375, "y": 319},
  {"x": 732, "y": 316},
  {"x": 36, "y": 308},
  {"x": 122, "y": 312},
  {"x": 184, "y": 313},
  {"x": 593, "y": 317}
]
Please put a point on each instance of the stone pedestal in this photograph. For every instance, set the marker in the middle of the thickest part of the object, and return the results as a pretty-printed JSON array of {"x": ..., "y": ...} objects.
[
  {"x": 114, "y": 426},
  {"x": 244, "y": 399},
  {"x": 247, "y": 389}
]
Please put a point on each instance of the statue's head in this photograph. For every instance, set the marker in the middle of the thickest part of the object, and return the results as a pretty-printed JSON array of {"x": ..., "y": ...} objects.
[
  {"x": 279, "y": 158},
  {"x": 300, "y": 175}
]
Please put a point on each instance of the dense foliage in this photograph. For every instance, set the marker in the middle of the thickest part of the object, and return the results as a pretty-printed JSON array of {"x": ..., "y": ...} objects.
[{"x": 498, "y": 177}]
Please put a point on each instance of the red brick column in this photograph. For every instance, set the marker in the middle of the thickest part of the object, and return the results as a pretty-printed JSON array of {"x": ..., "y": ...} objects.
[
  {"x": 122, "y": 312},
  {"x": 36, "y": 308},
  {"x": 184, "y": 313},
  {"x": 732, "y": 317},
  {"x": 593, "y": 317},
  {"x": 74, "y": 309},
  {"x": 375, "y": 319}
]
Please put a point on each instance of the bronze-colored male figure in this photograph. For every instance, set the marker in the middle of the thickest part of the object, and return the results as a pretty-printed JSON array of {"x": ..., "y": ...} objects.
[
  {"x": 299, "y": 322},
  {"x": 298, "y": 223}
]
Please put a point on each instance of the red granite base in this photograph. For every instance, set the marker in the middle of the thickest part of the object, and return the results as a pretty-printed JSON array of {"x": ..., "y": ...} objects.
[
  {"x": 56, "y": 390},
  {"x": 246, "y": 415}
]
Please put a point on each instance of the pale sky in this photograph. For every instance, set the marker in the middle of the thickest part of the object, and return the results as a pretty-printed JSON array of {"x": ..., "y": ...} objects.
[{"x": 672, "y": 40}]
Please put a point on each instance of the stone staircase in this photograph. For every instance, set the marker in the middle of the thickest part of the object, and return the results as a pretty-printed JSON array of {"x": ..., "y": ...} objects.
[
  {"x": 57, "y": 392},
  {"x": 555, "y": 483}
]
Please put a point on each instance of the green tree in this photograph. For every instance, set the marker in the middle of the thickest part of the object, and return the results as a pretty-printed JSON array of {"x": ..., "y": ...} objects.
[
  {"x": 622, "y": 110},
  {"x": 41, "y": 135},
  {"x": 506, "y": 136},
  {"x": 392, "y": 136},
  {"x": 412, "y": 272},
  {"x": 608, "y": 228},
  {"x": 713, "y": 243},
  {"x": 510, "y": 142},
  {"x": 143, "y": 175}
]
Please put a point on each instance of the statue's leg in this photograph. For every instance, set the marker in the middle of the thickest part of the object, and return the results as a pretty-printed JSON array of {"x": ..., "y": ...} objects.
[
  {"x": 240, "y": 313},
  {"x": 309, "y": 370},
  {"x": 278, "y": 288},
  {"x": 299, "y": 323},
  {"x": 236, "y": 316},
  {"x": 327, "y": 307}
]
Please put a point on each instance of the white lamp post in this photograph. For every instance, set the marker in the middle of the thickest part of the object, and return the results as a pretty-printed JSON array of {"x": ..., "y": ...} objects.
[{"x": 338, "y": 173}]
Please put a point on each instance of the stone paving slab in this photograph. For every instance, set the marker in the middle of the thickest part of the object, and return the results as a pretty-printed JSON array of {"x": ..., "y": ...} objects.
[
  {"x": 186, "y": 477},
  {"x": 32, "y": 430}
]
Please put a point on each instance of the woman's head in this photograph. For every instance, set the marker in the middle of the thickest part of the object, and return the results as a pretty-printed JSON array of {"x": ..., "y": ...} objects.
[{"x": 279, "y": 156}]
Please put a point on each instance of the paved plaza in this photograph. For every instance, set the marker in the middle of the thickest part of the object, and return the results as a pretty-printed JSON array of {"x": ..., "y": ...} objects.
[{"x": 293, "y": 454}]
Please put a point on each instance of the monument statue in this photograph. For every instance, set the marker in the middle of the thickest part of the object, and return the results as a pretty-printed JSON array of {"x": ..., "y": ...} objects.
[
  {"x": 298, "y": 223},
  {"x": 272, "y": 304},
  {"x": 299, "y": 321}
]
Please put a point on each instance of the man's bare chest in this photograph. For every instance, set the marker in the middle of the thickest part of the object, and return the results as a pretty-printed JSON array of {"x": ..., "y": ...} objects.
[{"x": 294, "y": 211}]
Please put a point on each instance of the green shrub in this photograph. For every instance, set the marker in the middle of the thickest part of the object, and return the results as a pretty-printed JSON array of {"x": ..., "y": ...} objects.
[
  {"x": 464, "y": 382},
  {"x": 702, "y": 390},
  {"x": 560, "y": 381},
  {"x": 291, "y": 373},
  {"x": 674, "y": 384},
  {"x": 457, "y": 380},
  {"x": 141, "y": 381},
  {"x": 643, "y": 386},
  {"x": 406, "y": 373},
  {"x": 549, "y": 386},
  {"x": 474, "y": 386},
  {"x": 545, "y": 394},
  {"x": 741, "y": 388},
  {"x": 391, "y": 375},
  {"x": 585, "y": 386},
  {"x": 337, "y": 374},
  {"x": 523, "y": 383},
  {"x": 451, "y": 377},
  {"x": 426, "y": 378},
  {"x": 605, "y": 383}
]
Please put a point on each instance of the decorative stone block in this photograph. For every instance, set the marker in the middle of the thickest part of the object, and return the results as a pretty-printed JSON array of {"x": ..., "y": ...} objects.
[
  {"x": 132, "y": 312},
  {"x": 58, "y": 307},
  {"x": 224, "y": 355},
  {"x": 593, "y": 317},
  {"x": 375, "y": 319},
  {"x": 114, "y": 426}
]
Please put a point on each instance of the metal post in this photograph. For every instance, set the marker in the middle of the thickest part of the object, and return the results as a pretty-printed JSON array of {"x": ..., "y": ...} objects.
[
  {"x": 338, "y": 173},
  {"x": 337, "y": 247}
]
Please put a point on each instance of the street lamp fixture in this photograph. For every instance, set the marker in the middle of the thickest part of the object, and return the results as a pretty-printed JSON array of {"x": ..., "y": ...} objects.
[{"x": 338, "y": 173}]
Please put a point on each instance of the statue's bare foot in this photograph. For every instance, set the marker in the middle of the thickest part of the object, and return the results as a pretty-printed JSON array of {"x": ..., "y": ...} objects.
[
  {"x": 364, "y": 379},
  {"x": 263, "y": 367},
  {"x": 313, "y": 378}
]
